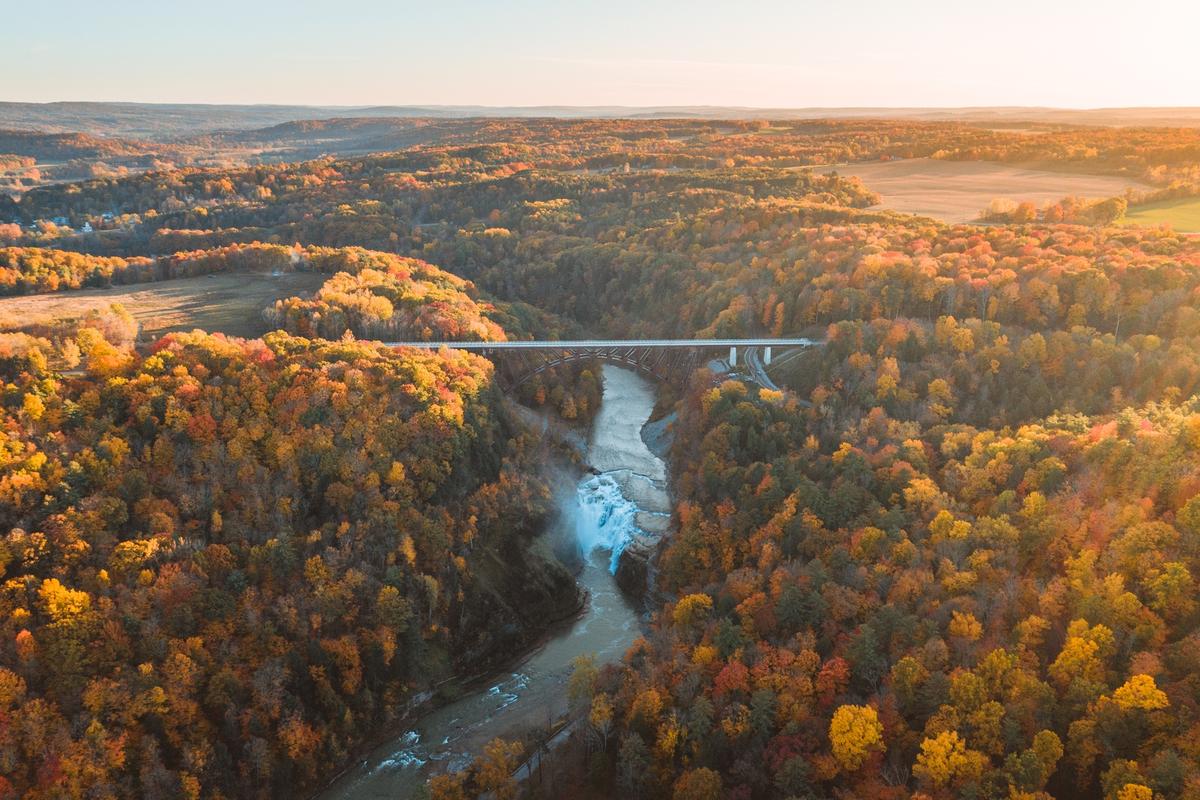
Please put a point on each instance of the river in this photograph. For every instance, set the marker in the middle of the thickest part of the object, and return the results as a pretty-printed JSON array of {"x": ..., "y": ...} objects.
[{"x": 605, "y": 511}]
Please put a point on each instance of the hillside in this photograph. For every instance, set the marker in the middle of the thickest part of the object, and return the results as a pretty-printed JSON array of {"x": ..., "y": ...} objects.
[{"x": 953, "y": 556}]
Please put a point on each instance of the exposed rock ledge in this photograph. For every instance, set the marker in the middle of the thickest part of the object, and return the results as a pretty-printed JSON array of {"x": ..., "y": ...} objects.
[
  {"x": 659, "y": 435},
  {"x": 635, "y": 568}
]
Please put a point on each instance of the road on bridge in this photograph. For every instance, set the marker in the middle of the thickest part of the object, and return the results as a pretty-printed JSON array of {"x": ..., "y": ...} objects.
[
  {"x": 601, "y": 344},
  {"x": 658, "y": 357}
]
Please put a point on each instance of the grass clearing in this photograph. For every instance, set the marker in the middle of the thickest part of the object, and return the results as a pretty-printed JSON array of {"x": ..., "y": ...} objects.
[
  {"x": 956, "y": 191},
  {"x": 230, "y": 304},
  {"x": 1183, "y": 215}
]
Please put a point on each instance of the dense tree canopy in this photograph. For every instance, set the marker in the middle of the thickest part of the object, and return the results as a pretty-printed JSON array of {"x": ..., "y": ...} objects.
[
  {"x": 955, "y": 556},
  {"x": 226, "y": 560}
]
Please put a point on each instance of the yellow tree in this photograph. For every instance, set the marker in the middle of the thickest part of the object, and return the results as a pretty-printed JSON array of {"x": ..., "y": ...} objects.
[
  {"x": 854, "y": 733},
  {"x": 945, "y": 759},
  {"x": 1140, "y": 692},
  {"x": 494, "y": 769},
  {"x": 451, "y": 786},
  {"x": 692, "y": 610}
]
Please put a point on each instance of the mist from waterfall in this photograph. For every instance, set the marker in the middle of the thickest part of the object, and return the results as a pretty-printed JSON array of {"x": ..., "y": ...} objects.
[{"x": 604, "y": 518}]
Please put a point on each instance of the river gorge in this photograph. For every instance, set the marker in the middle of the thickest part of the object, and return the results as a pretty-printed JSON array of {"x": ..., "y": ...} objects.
[{"x": 623, "y": 498}]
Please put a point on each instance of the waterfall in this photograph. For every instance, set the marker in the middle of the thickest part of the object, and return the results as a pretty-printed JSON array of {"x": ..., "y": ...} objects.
[
  {"x": 606, "y": 519},
  {"x": 600, "y": 512}
]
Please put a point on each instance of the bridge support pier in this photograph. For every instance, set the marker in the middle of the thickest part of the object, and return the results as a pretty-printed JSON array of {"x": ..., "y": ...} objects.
[
  {"x": 733, "y": 357},
  {"x": 767, "y": 356}
]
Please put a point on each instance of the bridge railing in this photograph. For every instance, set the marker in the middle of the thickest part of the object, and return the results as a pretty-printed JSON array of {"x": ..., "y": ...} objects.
[
  {"x": 660, "y": 358},
  {"x": 593, "y": 344}
]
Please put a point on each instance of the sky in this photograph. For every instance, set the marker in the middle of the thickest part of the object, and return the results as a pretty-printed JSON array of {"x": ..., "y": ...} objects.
[{"x": 758, "y": 53}]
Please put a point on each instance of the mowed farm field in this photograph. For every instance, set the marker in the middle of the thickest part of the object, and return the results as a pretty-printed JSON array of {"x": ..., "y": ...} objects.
[
  {"x": 1182, "y": 215},
  {"x": 956, "y": 191},
  {"x": 230, "y": 304}
]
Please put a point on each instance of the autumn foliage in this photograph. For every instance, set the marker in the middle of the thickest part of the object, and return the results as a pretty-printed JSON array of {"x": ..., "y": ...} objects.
[
  {"x": 953, "y": 555},
  {"x": 226, "y": 559}
]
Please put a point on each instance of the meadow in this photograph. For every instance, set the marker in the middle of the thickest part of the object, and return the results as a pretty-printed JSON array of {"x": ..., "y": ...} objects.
[
  {"x": 1183, "y": 215},
  {"x": 229, "y": 304},
  {"x": 956, "y": 191}
]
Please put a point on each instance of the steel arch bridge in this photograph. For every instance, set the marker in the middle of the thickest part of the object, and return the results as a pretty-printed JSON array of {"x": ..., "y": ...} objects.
[{"x": 665, "y": 360}]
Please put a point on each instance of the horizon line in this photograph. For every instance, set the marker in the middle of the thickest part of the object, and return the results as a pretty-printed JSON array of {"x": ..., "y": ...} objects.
[{"x": 621, "y": 106}]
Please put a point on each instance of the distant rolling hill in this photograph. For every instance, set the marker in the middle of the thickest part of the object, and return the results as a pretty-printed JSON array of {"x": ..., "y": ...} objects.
[
  {"x": 54, "y": 146},
  {"x": 174, "y": 121}
]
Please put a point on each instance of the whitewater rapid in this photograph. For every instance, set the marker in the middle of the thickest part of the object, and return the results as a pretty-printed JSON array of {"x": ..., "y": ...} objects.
[
  {"x": 628, "y": 497},
  {"x": 606, "y": 521}
]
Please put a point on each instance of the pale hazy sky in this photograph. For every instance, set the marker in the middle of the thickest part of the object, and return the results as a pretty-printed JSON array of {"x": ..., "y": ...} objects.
[{"x": 1071, "y": 53}]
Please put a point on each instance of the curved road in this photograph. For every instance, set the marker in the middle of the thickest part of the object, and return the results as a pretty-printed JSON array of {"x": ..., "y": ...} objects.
[{"x": 757, "y": 370}]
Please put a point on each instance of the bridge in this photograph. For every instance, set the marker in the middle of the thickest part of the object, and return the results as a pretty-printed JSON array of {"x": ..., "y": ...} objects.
[{"x": 662, "y": 359}]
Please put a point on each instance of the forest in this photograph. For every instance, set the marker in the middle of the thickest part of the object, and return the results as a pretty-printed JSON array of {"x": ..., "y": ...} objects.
[
  {"x": 224, "y": 571},
  {"x": 954, "y": 555}
]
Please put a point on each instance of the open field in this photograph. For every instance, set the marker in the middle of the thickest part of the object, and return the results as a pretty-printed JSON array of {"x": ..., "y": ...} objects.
[
  {"x": 229, "y": 304},
  {"x": 1183, "y": 215},
  {"x": 956, "y": 191}
]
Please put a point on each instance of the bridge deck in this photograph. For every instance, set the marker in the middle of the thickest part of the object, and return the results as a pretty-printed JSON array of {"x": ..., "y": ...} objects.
[{"x": 603, "y": 344}]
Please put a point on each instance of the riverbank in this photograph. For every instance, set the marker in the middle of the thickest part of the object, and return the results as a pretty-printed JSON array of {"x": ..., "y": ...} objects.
[
  {"x": 601, "y": 507},
  {"x": 488, "y": 667}
]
